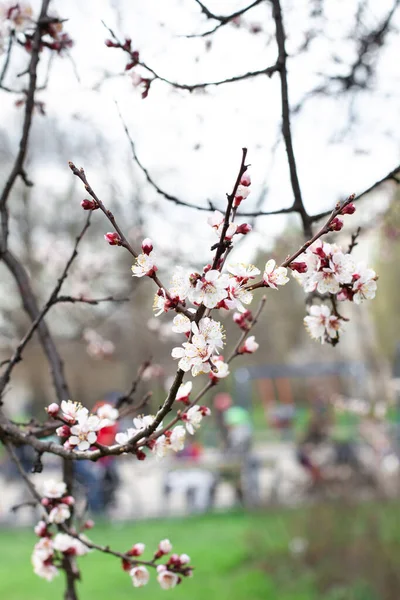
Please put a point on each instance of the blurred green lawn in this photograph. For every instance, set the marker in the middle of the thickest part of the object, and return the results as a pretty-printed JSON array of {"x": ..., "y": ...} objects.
[{"x": 351, "y": 553}]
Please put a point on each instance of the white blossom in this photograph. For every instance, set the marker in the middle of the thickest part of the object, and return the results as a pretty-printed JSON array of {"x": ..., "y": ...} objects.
[
  {"x": 53, "y": 489},
  {"x": 243, "y": 271},
  {"x": 123, "y": 438},
  {"x": 108, "y": 412},
  {"x": 177, "y": 438},
  {"x": 84, "y": 432},
  {"x": 193, "y": 418},
  {"x": 184, "y": 391},
  {"x": 71, "y": 409},
  {"x": 274, "y": 276},
  {"x": 210, "y": 289},
  {"x": 165, "y": 546},
  {"x": 181, "y": 324},
  {"x": 144, "y": 265},
  {"x": 321, "y": 324},
  {"x": 167, "y": 579},
  {"x": 140, "y": 576},
  {"x": 59, "y": 514},
  {"x": 211, "y": 331},
  {"x": 237, "y": 296},
  {"x": 66, "y": 543},
  {"x": 365, "y": 284}
]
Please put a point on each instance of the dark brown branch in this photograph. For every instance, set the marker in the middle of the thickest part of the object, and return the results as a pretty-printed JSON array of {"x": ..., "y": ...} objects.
[
  {"x": 36, "y": 315},
  {"x": 91, "y": 301},
  {"x": 18, "y": 168},
  {"x": 222, "y": 19},
  {"x": 298, "y": 205}
]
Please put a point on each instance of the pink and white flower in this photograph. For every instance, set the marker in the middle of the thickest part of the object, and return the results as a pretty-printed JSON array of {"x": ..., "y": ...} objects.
[
  {"x": 216, "y": 220},
  {"x": 193, "y": 355},
  {"x": 183, "y": 392},
  {"x": 84, "y": 432},
  {"x": 210, "y": 289},
  {"x": 67, "y": 544},
  {"x": 243, "y": 272},
  {"x": 364, "y": 286},
  {"x": 71, "y": 409},
  {"x": 192, "y": 419},
  {"x": 180, "y": 285},
  {"x": 53, "y": 489},
  {"x": 181, "y": 324},
  {"x": 322, "y": 325},
  {"x": 140, "y": 576},
  {"x": 165, "y": 546},
  {"x": 167, "y": 579},
  {"x": 221, "y": 368},
  {"x": 145, "y": 265},
  {"x": 123, "y": 437},
  {"x": 237, "y": 296},
  {"x": 250, "y": 346},
  {"x": 177, "y": 438},
  {"x": 212, "y": 332},
  {"x": 59, "y": 514},
  {"x": 109, "y": 413},
  {"x": 161, "y": 447},
  {"x": 274, "y": 276}
]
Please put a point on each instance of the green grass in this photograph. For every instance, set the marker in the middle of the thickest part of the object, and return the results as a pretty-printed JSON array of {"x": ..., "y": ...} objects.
[{"x": 237, "y": 556}]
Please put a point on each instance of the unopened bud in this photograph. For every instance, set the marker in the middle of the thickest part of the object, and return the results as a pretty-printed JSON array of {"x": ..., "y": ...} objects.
[
  {"x": 68, "y": 500},
  {"x": 52, "y": 409},
  {"x": 184, "y": 559},
  {"x": 140, "y": 455},
  {"x": 336, "y": 224},
  {"x": 165, "y": 546},
  {"x": 244, "y": 228},
  {"x": 136, "y": 550},
  {"x": 113, "y": 238},
  {"x": 205, "y": 411},
  {"x": 64, "y": 431},
  {"x": 88, "y": 524},
  {"x": 300, "y": 267},
  {"x": 349, "y": 209},
  {"x": 89, "y": 204},
  {"x": 245, "y": 180},
  {"x": 147, "y": 246},
  {"x": 111, "y": 44}
]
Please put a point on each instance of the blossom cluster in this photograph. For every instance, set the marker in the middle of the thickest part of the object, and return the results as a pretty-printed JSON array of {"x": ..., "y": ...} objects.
[
  {"x": 48, "y": 552},
  {"x": 169, "y": 574},
  {"x": 17, "y": 17},
  {"x": 325, "y": 269},
  {"x": 80, "y": 427}
]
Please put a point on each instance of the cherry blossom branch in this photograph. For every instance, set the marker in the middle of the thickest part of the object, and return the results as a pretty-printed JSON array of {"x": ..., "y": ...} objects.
[
  {"x": 354, "y": 242},
  {"x": 80, "y": 173},
  {"x": 269, "y": 71},
  {"x": 324, "y": 230},
  {"x": 211, "y": 383},
  {"x": 223, "y": 20},
  {"x": 18, "y": 168}
]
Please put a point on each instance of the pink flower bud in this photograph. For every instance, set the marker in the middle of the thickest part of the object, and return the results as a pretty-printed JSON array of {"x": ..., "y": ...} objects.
[
  {"x": 113, "y": 238},
  {"x": 140, "y": 455},
  {"x": 88, "y": 524},
  {"x": 89, "y": 204},
  {"x": 348, "y": 210},
  {"x": 147, "y": 246},
  {"x": 249, "y": 346},
  {"x": 184, "y": 559},
  {"x": 52, "y": 409},
  {"x": 205, "y": 411},
  {"x": 174, "y": 560},
  {"x": 45, "y": 502},
  {"x": 136, "y": 550},
  {"x": 336, "y": 224},
  {"x": 64, "y": 431},
  {"x": 41, "y": 529},
  {"x": 68, "y": 500},
  {"x": 111, "y": 44},
  {"x": 165, "y": 546},
  {"x": 300, "y": 267},
  {"x": 244, "y": 228},
  {"x": 245, "y": 180}
]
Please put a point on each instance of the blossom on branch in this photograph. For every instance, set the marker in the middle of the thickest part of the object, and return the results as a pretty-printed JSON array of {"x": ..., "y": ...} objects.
[
  {"x": 274, "y": 276},
  {"x": 322, "y": 325}
]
